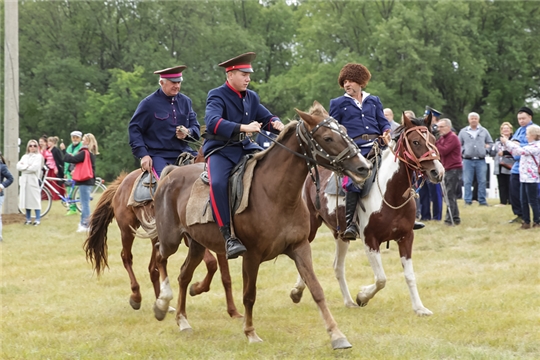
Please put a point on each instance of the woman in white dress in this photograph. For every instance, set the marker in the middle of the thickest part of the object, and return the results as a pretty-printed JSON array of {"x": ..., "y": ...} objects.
[{"x": 30, "y": 167}]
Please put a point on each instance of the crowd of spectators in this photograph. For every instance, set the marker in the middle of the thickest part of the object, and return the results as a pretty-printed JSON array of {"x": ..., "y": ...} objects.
[{"x": 516, "y": 156}]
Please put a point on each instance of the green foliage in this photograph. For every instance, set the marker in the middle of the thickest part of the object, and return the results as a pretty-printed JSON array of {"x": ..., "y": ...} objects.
[{"x": 79, "y": 58}]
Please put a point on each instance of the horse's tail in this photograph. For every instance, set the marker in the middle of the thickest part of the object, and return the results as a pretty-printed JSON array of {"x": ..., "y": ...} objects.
[{"x": 95, "y": 245}]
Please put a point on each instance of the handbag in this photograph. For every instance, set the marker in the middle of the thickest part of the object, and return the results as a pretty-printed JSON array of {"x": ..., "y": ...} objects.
[
  {"x": 83, "y": 170},
  {"x": 507, "y": 161}
]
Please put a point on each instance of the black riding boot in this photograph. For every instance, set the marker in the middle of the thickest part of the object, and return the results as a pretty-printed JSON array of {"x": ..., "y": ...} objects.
[
  {"x": 351, "y": 200},
  {"x": 418, "y": 225},
  {"x": 233, "y": 246}
]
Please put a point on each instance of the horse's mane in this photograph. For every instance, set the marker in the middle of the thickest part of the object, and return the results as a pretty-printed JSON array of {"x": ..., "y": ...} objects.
[
  {"x": 289, "y": 129},
  {"x": 318, "y": 110},
  {"x": 416, "y": 121}
]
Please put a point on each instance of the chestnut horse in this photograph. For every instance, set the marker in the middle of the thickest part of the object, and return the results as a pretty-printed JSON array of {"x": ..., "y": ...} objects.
[
  {"x": 113, "y": 204},
  {"x": 389, "y": 212},
  {"x": 276, "y": 197}
]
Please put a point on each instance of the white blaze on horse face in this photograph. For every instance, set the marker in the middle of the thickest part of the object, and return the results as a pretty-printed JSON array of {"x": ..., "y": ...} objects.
[{"x": 373, "y": 202}]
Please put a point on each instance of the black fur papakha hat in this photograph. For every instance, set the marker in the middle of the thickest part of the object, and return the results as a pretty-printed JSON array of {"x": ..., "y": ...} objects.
[{"x": 354, "y": 72}]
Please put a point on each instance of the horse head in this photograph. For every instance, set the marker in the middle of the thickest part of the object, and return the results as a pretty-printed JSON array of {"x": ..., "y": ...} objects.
[
  {"x": 416, "y": 147},
  {"x": 326, "y": 141}
]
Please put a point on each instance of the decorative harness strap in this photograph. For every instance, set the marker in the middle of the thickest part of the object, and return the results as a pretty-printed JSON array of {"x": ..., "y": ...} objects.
[
  {"x": 311, "y": 149},
  {"x": 404, "y": 153}
]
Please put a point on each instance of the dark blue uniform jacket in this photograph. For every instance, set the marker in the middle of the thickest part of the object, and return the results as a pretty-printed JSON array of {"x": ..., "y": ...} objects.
[
  {"x": 152, "y": 129},
  {"x": 369, "y": 120},
  {"x": 226, "y": 110}
]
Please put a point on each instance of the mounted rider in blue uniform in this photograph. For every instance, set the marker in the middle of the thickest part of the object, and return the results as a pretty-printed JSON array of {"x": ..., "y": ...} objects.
[
  {"x": 233, "y": 113},
  {"x": 362, "y": 115},
  {"x": 162, "y": 123}
]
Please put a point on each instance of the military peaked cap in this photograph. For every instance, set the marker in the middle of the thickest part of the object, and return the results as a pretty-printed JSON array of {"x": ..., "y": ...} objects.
[
  {"x": 172, "y": 74},
  {"x": 241, "y": 63},
  {"x": 432, "y": 111}
]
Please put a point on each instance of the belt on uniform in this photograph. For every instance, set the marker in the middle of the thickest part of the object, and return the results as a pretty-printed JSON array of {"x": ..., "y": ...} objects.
[
  {"x": 238, "y": 137},
  {"x": 366, "y": 137},
  {"x": 473, "y": 158}
]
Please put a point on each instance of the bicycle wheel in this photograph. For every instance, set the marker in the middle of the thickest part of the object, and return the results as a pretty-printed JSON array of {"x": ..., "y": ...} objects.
[
  {"x": 99, "y": 188},
  {"x": 46, "y": 202}
]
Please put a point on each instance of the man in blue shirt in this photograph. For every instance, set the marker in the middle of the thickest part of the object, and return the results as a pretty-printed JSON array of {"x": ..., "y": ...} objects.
[
  {"x": 524, "y": 117},
  {"x": 362, "y": 115},
  {"x": 162, "y": 123},
  {"x": 232, "y": 113}
]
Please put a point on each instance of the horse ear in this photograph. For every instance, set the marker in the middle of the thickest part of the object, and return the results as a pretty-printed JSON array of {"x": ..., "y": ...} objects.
[
  {"x": 406, "y": 121},
  {"x": 428, "y": 120},
  {"x": 316, "y": 103},
  {"x": 305, "y": 116}
]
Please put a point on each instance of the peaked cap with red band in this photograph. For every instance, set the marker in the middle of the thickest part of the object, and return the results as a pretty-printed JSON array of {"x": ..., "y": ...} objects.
[
  {"x": 172, "y": 74},
  {"x": 241, "y": 63}
]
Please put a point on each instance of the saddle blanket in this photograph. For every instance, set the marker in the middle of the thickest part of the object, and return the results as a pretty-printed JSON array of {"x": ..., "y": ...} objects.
[{"x": 198, "y": 209}]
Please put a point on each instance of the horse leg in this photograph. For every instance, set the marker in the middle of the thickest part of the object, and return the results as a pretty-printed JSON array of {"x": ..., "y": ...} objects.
[
  {"x": 405, "y": 253},
  {"x": 301, "y": 255},
  {"x": 339, "y": 271},
  {"x": 368, "y": 292},
  {"x": 227, "y": 285},
  {"x": 127, "y": 259},
  {"x": 194, "y": 257},
  {"x": 250, "y": 271},
  {"x": 298, "y": 290},
  {"x": 211, "y": 267},
  {"x": 154, "y": 272}
]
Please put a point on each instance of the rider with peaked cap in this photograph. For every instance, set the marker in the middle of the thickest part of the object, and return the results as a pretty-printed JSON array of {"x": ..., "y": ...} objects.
[
  {"x": 232, "y": 113},
  {"x": 163, "y": 122}
]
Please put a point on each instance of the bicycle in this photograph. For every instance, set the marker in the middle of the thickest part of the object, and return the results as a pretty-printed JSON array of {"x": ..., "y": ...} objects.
[{"x": 71, "y": 196}]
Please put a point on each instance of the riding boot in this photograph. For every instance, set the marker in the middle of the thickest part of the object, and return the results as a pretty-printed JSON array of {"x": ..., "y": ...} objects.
[
  {"x": 233, "y": 246},
  {"x": 418, "y": 225},
  {"x": 351, "y": 200}
]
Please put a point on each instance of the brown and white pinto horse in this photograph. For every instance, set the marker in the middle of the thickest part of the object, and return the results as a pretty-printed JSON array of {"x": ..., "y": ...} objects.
[
  {"x": 276, "y": 197},
  {"x": 389, "y": 212},
  {"x": 113, "y": 203}
]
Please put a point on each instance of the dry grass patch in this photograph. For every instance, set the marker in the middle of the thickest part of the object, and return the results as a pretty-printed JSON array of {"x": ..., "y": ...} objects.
[{"x": 481, "y": 280}]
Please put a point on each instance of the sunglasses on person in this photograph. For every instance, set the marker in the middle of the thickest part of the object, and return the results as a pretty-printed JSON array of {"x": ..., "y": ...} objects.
[{"x": 32, "y": 145}]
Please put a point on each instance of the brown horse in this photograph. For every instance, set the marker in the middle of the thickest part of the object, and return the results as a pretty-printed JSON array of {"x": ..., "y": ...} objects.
[
  {"x": 389, "y": 212},
  {"x": 276, "y": 197},
  {"x": 113, "y": 204}
]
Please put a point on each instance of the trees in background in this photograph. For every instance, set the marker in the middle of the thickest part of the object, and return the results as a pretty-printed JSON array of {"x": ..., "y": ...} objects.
[{"x": 85, "y": 65}]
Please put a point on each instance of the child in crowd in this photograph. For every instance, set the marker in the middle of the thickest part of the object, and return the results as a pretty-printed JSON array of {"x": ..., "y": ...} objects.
[{"x": 528, "y": 174}]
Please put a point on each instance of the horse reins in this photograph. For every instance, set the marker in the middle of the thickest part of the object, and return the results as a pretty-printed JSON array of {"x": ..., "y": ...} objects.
[{"x": 306, "y": 137}]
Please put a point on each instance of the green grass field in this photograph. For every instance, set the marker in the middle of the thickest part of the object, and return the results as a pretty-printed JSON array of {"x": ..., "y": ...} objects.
[{"x": 481, "y": 280}]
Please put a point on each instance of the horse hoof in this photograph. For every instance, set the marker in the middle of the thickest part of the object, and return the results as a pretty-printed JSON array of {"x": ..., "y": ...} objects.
[
  {"x": 192, "y": 291},
  {"x": 171, "y": 310},
  {"x": 423, "y": 312},
  {"x": 158, "y": 313},
  {"x": 254, "y": 338},
  {"x": 235, "y": 315},
  {"x": 351, "y": 305},
  {"x": 361, "y": 301},
  {"x": 341, "y": 344},
  {"x": 296, "y": 296},
  {"x": 135, "y": 305}
]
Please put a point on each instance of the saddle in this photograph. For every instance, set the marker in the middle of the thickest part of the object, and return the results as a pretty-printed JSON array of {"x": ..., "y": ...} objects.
[
  {"x": 332, "y": 189},
  {"x": 146, "y": 185},
  {"x": 198, "y": 207}
]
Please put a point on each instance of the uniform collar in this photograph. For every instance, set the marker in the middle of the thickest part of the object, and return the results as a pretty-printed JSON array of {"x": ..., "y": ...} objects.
[{"x": 240, "y": 95}]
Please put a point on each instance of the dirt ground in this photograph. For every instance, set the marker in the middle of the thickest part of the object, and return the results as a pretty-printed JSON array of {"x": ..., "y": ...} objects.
[{"x": 12, "y": 218}]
